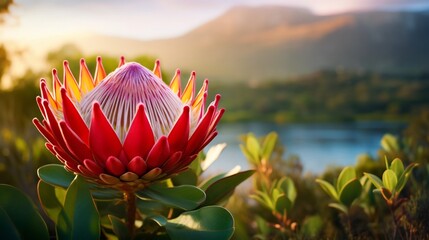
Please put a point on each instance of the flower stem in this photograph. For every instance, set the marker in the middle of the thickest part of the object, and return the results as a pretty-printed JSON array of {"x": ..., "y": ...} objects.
[{"x": 130, "y": 199}]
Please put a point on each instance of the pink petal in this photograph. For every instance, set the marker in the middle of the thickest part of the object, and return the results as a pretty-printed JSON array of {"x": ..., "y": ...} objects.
[
  {"x": 115, "y": 166},
  {"x": 137, "y": 165},
  {"x": 73, "y": 118},
  {"x": 103, "y": 140},
  {"x": 139, "y": 139},
  {"x": 159, "y": 153},
  {"x": 179, "y": 134}
]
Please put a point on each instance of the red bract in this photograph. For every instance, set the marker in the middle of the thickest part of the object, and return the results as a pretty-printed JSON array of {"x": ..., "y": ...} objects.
[{"x": 128, "y": 128}]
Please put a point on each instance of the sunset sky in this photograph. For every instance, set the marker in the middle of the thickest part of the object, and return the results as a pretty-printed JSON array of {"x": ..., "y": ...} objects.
[
  {"x": 34, "y": 27},
  {"x": 153, "y": 19}
]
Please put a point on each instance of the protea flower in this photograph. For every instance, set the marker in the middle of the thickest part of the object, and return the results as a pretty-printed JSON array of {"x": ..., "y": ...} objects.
[{"x": 126, "y": 129}]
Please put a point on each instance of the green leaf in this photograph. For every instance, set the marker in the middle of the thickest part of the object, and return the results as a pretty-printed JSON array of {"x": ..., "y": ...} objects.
[
  {"x": 375, "y": 180},
  {"x": 187, "y": 177},
  {"x": 350, "y": 192},
  {"x": 105, "y": 194},
  {"x": 185, "y": 197},
  {"x": 263, "y": 199},
  {"x": 389, "y": 179},
  {"x": 253, "y": 147},
  {"x": 208, "y": 223},
  {"x": 150, "y": 205},
  {"x": 312, "y": 226},
  {"x": 79, "y": 219},
  {"x": 209, "y": 181},
  {"x": 402, "y": 181},
  {"x": 56, "y": 175},
  {"x": 282, "y": 204},
  {"x": 223, "y": 187},
  {"x": 397, "y": 167},
  {"x": 288, "y": 188},
  {"x": 268, "y": 145},
  {"x": 249, "y": 155},
  {"x": 18, "y": 210},
  {"x": 339, "y": 207},
  {"x": 7, "y": 228},
  {"x": 389, "y": 143},
  {"x": 328, "y": 188},
  {"x": 347, "y": 174},
  {"x": 159, "y": 219},
  {"x": 49, "y": 200},
  {"x": 119, "y": 228}
]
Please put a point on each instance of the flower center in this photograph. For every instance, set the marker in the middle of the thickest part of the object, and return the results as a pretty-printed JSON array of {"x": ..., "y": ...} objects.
[{"x": 122, "y": 90}]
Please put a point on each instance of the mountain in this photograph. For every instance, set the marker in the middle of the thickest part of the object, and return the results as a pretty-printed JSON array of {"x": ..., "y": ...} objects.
[{"x": 266, "y": 42}]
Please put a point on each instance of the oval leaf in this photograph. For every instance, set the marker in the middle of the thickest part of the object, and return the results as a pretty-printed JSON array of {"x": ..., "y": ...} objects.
[
  {"x": 268, "y": 145},
  {"x": 223, "y": 187},
  {"x": 185, "y": 197},
  {"x": 389, "y": 179},
  {"x": 350, "y": 192},
  {"x": 328, "y": 188},
  {"x": 347, "y": 174},
  {"x": 187, "y": 177},
  {"x": 7, "y": 227},
  {"x": 208, "y": 223},
  {"x": 56, "y": 175},
  {"x": 339, "y": 207},
  {"x": 288, "y": 188},
  {"x": 283, "y": 204},
  {"x": 79, "y": 219},
  {"x": 397, "y": 166},
  {"x": 49, "y": 200},
  {"x": 119, "y": 228},
  {"x": 375, "y": 180},
  {"x": 404, "y": 177},
  {"x": 389, "y": 143},
  {"x": 18, "y": 210},
  {"x": 252, "y": 145}
]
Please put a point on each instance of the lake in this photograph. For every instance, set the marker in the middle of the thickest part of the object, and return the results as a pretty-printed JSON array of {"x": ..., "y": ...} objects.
[{"x": 318, "y": 145}]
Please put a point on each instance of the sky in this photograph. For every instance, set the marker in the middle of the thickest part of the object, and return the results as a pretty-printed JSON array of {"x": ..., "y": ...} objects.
[
  {"x": 34, "y": 26},
  {"x": 143, "y": 19}
]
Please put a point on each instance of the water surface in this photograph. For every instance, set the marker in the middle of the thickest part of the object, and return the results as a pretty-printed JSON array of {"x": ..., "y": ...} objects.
[{"x": 317, "y": 145}]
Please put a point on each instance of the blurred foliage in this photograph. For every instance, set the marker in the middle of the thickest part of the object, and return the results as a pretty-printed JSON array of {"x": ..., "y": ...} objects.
[
  {"x": 389, "y": 201},
  {"x": 4, "y": 58},
  {"x": 327, "y": 96},
  {"x": 4, "y": 7},
  {"x": 4, "y": 61}
]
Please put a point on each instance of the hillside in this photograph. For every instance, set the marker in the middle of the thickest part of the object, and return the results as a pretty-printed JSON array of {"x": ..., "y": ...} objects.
[{"x": 254, "y": 43}]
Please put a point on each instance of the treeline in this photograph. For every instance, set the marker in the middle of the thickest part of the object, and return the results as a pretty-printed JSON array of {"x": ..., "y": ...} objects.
[{"x": 327, "y": 96}]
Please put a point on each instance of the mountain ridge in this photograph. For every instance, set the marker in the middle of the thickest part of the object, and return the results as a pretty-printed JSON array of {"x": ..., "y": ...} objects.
[{"x": 258, "y": 43}]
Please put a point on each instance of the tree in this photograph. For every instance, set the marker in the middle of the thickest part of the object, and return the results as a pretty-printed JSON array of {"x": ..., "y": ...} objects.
[{"x": 4, "y": 59}]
